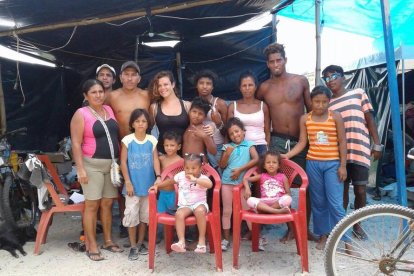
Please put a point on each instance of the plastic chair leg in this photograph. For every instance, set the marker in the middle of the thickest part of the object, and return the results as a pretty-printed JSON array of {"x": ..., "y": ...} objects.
[
  {"x": 210, "y": 237},
  {"x": 42, "y": 230},
  {"x": 255, "y": 237},
  {"x": 216, "y": 240},
  {"x": 236, "y": 240},
  {"x": 151, "y": 242},
  {"x": 168, "y": 237}
]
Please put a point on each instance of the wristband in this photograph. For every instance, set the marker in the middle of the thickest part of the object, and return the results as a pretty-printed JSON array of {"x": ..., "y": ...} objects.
[
  {"x": 158, "y": 176},
  {"x": 378, "y": 147}
]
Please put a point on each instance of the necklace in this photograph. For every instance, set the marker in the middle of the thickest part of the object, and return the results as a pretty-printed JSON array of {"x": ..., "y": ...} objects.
[{"x": 97, "y": 113}]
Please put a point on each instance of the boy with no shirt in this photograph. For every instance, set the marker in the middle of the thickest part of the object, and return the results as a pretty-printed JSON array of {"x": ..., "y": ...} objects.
[
  {"x": 195, "y": 140},
  {"x": 286, "y": 95}
]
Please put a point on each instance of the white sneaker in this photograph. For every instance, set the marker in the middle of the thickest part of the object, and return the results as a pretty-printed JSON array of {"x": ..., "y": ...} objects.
[
  {"x": 225, "y": 244},
  {"x": 410, "y": 153},
  {"x": 262, "y": 243}
]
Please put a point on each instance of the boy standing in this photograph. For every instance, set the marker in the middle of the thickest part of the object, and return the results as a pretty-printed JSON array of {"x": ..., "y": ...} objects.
[{"x": 356, "y": 111}]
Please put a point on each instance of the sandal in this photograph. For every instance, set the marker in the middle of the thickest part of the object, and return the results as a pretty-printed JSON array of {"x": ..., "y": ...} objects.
[
  {"x": 178, "y": 247},
  {"x": 200, "y": 249},
  {"x": 77, "y": 246},
  {"x": 95, "y": 256},
  {"x": 114, "y": 248}
]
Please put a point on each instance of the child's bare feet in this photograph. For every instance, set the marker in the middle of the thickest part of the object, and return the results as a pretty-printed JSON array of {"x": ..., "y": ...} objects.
[
  {"x": 349, "y": 249},
  {"x": 322, "y": 242},
  {"x": 287, "y": 237}
]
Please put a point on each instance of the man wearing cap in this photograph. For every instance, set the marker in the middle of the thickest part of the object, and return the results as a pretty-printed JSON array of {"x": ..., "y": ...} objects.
[
  {"x": 129, "y": 97},
  {"x": 106, "y": 74}
]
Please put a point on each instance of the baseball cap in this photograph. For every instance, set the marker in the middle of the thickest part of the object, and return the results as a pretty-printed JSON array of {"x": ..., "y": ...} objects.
[
  {"x": 130, "y": 64},
  {"x": 105, "y": 66}
]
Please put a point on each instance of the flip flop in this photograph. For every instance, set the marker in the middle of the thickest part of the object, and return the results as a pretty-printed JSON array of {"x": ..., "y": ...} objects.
[
  {"x": 178, "y": 247},
  {"x": 77, "y": 246},
  {"x": 200, "y": 249},
  {"x": 114, "y": 248},
  {"x": 92, "y": 255}
]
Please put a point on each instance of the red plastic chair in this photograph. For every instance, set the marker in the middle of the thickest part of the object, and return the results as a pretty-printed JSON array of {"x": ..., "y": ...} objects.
[
  {"x": 213, "y": 217},
  {"x": 296, "y": 218},
  {"x": 58, "y": 206}
]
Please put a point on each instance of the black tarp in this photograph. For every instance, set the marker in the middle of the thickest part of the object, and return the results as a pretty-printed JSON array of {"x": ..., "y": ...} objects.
[{"x": 52, "y": 94}]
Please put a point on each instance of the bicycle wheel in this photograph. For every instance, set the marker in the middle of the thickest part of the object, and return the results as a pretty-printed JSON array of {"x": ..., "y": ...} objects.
[
  {"x": 19, "y": 202},
  {"x": 384, "y": 225}
]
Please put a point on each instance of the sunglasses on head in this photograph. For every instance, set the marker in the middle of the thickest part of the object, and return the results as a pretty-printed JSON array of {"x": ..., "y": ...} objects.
[{"x": 333, "y": 77}]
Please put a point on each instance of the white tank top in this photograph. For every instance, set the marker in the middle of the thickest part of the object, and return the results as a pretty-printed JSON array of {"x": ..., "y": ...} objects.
[
  {"x": 254, "y": 124},
  {"x": 217, "y": 137}
]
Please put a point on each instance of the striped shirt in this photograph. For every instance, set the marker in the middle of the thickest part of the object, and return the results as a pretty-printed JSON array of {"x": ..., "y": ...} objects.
[
  {"x": 352, "y": 106},
  {"x": 323, "y": 139}
]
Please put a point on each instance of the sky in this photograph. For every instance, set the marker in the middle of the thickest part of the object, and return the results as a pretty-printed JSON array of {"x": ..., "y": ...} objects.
[{"x": 338, "y": 47}]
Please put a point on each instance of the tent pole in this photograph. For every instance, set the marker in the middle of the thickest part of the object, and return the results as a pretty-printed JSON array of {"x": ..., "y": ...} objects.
[
  {"x": 92, "y": 21},
  {"x": 3, "y": 124},
  {"x": 179, "y": 73},
  {"x": 274, "y": 28},
  {"x": 318, "y": 41},
  {"x": 395, "y": 105},
  {"x": 136, "y": 49},
  {"x": 403, "y": 95}
]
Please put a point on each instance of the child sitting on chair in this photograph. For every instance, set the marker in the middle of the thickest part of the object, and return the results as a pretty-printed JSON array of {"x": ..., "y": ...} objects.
[
  {"x": 192, "y": 199},
  {"x": 274, "y": 187}
]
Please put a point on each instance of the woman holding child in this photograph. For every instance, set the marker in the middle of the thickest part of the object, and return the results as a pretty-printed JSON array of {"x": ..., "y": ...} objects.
[{"x": 92, "y": 155}]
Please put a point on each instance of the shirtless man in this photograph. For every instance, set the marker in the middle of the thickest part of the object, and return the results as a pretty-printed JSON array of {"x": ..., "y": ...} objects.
[
  {"x": 106, "y": 74},
  {"x": 195, "y": 140},
  {"x": 123, "y": 101},
  {"x": 129, "y": 97},
  {"x": 286, "y": 95}
]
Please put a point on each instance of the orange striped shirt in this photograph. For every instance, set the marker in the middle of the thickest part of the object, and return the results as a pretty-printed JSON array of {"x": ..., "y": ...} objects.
[
  {"x": 323, "y": 139},
  {"x": 352, "y": 106}
]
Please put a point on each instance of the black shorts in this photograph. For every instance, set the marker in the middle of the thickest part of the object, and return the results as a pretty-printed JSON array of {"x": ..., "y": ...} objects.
[{"x": 356, "y": 174}]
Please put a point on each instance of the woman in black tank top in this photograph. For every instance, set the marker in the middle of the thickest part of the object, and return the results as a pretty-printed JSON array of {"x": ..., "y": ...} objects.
[{"x": 167, "y": 102}]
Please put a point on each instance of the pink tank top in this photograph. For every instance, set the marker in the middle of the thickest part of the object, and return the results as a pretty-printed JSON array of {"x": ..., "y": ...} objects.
[
  {"x": 272, "y": 186},
  {"x": 254, "y": 124},
  {"x": 95, "y": 142}
]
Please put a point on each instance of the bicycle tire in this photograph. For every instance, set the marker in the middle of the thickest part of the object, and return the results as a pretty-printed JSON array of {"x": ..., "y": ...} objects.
[
  {"x": 384, "y": 225},
  {"x": 19, "y": 203}
]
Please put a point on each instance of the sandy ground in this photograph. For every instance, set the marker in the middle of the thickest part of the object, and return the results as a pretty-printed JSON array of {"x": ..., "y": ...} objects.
[{"x": 57, "y": 258}]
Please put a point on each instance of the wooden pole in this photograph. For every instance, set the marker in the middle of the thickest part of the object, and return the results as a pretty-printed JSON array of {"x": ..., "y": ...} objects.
[
  {"x": 2, "y": 108},
  {"x": 92, "y": 21}
]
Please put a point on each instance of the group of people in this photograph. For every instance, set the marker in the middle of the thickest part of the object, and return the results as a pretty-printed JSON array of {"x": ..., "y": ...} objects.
[{"x": 332, "y": 141}]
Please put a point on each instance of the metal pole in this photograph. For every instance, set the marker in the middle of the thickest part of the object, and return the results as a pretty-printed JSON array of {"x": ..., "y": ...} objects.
[
  {"x": 318, "y": 41},
  {"x": 136, "y": 49},
  {"x": 395, "y": 105},
  {"x": 179, "y": 73},
  {"x": 274, "y": 28}
]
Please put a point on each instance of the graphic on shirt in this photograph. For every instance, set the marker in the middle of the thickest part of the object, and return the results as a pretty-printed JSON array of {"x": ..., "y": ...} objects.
[
  {"x": 321, "y": 138},
  {"x": 139, "y": 160},
  {"x": 272, "y": 188},
  {"x": 184, "y": 192}
]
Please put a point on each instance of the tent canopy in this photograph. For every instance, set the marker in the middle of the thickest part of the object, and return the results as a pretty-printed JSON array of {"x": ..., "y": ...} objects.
[{"x": 362, "y": 17}]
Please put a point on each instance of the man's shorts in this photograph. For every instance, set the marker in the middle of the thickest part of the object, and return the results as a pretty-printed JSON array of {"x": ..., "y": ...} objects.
[
  {"x": 136, "y": 210},
  {"x": 356, "y": 174},
  {"x": 284, "y": 143},
  {"x": 194, "y": 206},
  {"x": 99, "y": 182}
]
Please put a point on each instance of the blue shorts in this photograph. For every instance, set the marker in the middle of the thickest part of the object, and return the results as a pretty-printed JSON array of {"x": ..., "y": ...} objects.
[{"x": 165, "y": 200}]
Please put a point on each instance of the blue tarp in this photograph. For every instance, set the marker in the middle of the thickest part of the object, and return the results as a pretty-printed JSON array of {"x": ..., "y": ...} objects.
[{"x": 361, "y": 17}]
